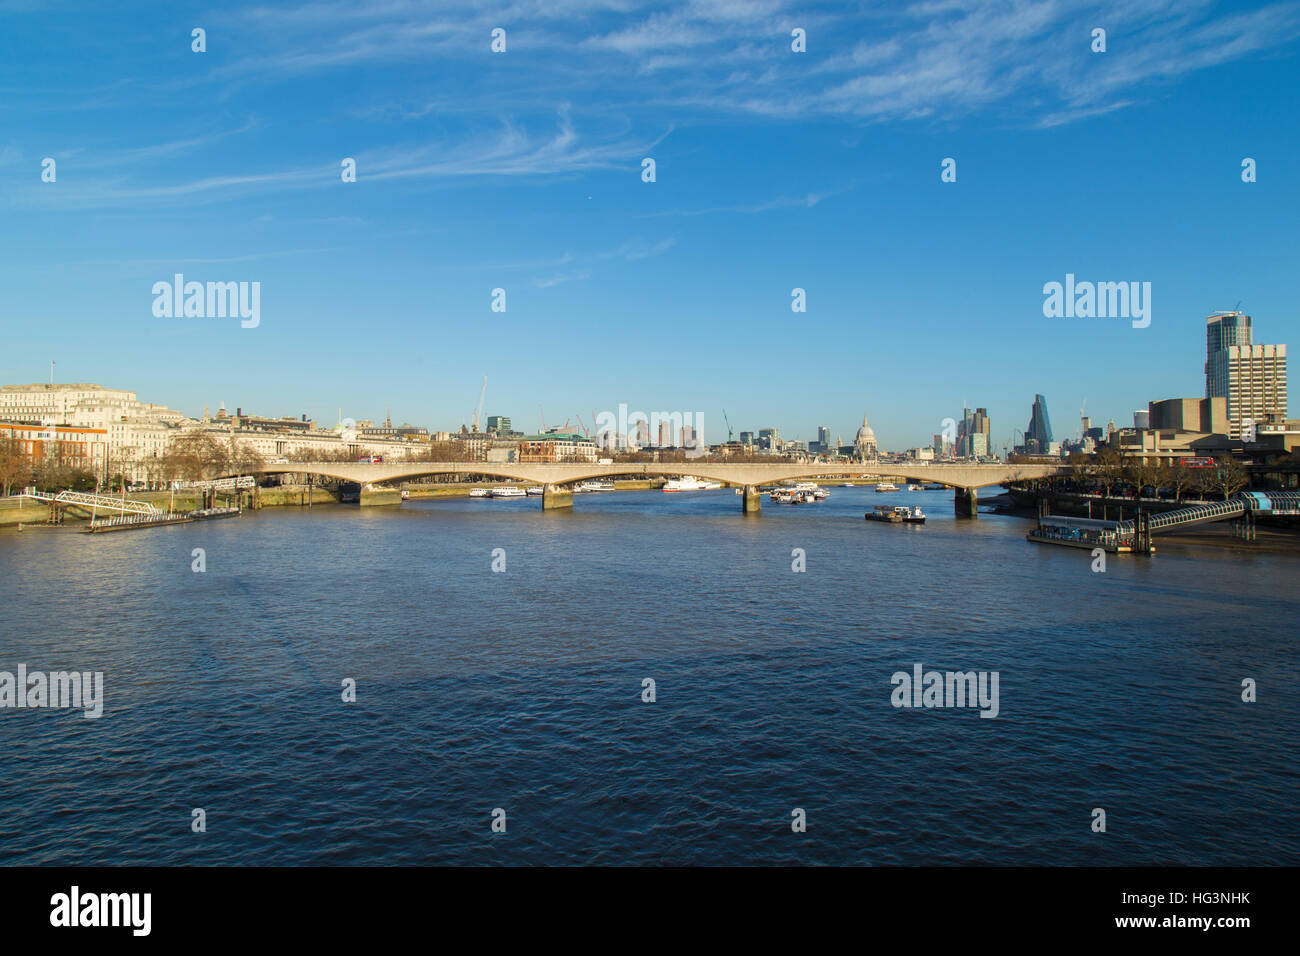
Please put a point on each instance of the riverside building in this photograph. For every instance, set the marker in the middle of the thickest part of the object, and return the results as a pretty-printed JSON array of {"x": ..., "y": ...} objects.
[{"x": 1252, "y": 378}]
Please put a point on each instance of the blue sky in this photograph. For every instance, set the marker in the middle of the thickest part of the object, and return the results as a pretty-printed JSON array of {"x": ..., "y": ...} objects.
[{"x": 522, "y": 170}]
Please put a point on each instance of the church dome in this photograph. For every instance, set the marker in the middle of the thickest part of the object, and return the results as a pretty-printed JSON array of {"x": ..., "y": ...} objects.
[{"x": 866, "y": 436}]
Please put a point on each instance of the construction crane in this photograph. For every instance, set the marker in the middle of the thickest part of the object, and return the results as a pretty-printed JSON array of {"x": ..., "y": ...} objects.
[
  {"x": 728, "y": 421},
  {"x": 479, "y": 411},
  {"x": 583, "y": 427}
]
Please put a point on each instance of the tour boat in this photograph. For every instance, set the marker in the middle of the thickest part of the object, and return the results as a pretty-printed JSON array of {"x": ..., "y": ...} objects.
[
  {"x": 534, "y": 491},
  {"x": 506, "y": 491},
  {"x": 886, "y": 486},
  {"x": 478, "y": 493},
  {"x": 913, "y": 487},
  {"x": 848, "y": 484},
  {"x": 593, "y": 485},
  {"x": 689, "y": 483}
]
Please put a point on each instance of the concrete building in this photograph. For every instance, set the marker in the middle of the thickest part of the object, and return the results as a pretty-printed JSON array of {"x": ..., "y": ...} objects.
[
  {"x": 1251, "y": 377},
  {"x": 1201, "y": 415}
]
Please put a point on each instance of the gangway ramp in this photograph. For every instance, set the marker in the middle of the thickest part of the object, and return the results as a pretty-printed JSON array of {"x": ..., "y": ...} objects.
[{"x": 93, "y": 502}]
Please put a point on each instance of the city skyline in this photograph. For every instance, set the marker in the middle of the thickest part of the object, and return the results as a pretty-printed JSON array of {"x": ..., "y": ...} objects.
[
  {"x": 710, "y": 434},
  {"x": 775, "y": 171}
]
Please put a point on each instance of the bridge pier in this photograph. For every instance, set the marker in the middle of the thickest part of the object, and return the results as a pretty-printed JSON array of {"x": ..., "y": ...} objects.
[
  {"x": 378, "y": 497},
  {"x": 751, "y": 502},
  {"x": 556, "y": 496},
  {"x": 965, "y": 501}
]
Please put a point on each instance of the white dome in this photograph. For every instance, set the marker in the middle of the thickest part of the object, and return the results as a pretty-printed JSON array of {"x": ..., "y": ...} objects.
[{"x": 866, "y": 436}]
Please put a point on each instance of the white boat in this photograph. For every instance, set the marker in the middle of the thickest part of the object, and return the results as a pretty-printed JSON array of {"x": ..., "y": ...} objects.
[
  {"x": 689, "y": 483},
  {"x": 478, "y": 493},
  {"x": 913, "y": 487},
  {"x": 534, "y": 491},
  {"x": 405, "y": 494},
  {"x": 886, "y": 486},
  {"x": 506, "y": 491},
  {"x": 848, "y": 484},
  {"x": 593, "y": 485}
]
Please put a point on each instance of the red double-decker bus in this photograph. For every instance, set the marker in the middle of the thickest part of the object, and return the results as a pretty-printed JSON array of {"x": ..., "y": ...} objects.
[{"x": 1196, "y": 462}]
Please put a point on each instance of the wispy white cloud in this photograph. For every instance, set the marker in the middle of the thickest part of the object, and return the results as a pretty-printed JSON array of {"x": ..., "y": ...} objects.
[{"x": 1029, "y": 59}]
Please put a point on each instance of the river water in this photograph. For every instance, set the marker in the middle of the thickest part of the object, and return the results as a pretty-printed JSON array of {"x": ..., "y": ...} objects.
[{"x": 522, "y": 690}]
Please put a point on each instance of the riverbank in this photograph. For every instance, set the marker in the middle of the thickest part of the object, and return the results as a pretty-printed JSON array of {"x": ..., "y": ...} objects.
[
  {"x": 27, "y": 511},
  {"x": 1275, "y": 536}
]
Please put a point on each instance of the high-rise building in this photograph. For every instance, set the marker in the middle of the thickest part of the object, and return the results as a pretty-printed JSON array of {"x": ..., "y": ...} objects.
[
  {"x": 665, "y": 434},
  {"x": 1251, "y": 377},
  {"x": 1038, "y": 436},
  {"x": 769, "y": 438},
  {"x": 747, "y": 438},
  {"x": 1141, "y": 418},
  {"x": 499, "y": 424},
  {"x": 823, "y": 438},
  {"x": 973, "y": 434}
]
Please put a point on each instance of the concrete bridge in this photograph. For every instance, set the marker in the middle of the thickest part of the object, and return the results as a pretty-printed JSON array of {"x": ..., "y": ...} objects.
[{"x": 557, "y": 480}]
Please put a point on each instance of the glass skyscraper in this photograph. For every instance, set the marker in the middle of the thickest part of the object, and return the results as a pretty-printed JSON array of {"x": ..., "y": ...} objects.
[{"x": 1038, "y": 436}]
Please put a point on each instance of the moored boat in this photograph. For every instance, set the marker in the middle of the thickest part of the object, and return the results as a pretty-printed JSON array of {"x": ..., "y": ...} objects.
[
  {"x": 896, "y": 514},
  {"x": 886, "y": 486},
  {"x": 689, "y": 483},
  {"x": 507, "y": 491}
]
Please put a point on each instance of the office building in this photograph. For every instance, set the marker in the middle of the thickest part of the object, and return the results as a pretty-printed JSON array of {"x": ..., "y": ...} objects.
[
  {"x": 1038, "y": 436},
  {"x": 1251, "y": 377}
]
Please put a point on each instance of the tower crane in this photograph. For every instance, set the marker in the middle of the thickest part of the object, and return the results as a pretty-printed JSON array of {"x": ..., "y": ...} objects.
[{"x": 728, "y": 421}]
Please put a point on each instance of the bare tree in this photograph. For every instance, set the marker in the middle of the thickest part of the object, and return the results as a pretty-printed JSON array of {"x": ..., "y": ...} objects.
[
  {"x": 1178, "y": 477},
  {"x": 15, "y": 465},
  {"x": 1227, "y": 477},
  {"x": 1108, "y": 466}
]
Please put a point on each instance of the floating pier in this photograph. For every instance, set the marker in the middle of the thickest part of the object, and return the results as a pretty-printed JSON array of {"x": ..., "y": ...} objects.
[{"x": 135, "y": 522}]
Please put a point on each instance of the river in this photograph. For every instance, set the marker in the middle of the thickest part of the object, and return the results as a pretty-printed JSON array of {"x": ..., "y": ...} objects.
[{"x": 522, "y": 690}]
